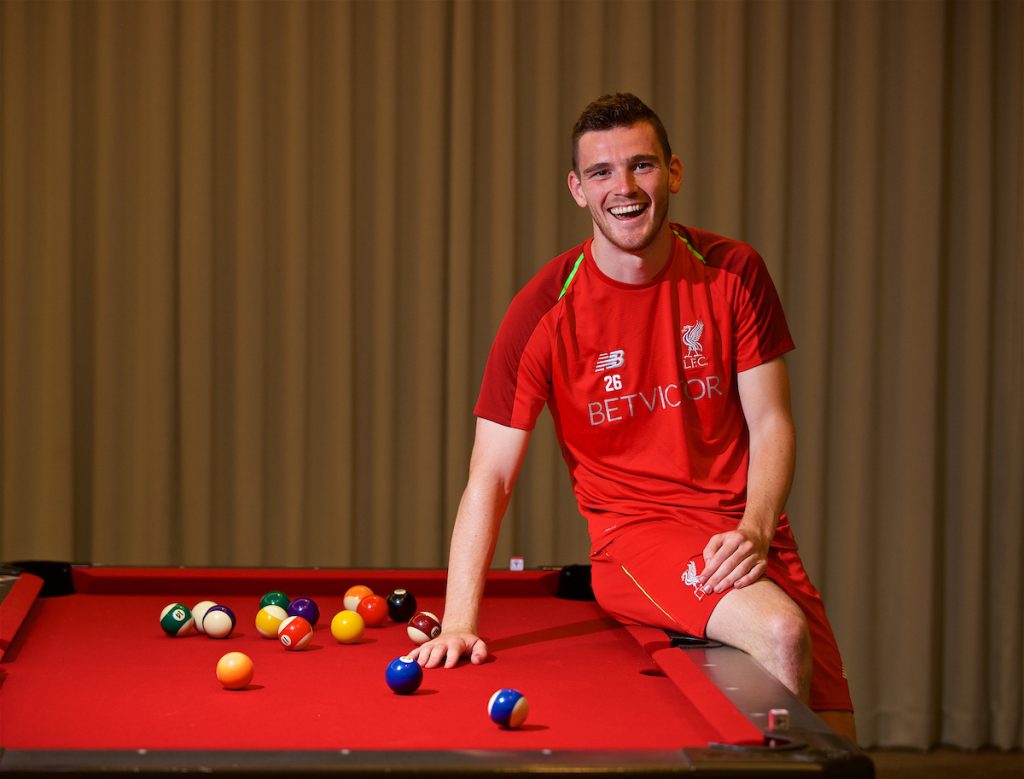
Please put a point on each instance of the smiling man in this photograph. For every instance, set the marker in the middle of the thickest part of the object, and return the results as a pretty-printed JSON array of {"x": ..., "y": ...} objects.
[{"x": 658, "y": 349}]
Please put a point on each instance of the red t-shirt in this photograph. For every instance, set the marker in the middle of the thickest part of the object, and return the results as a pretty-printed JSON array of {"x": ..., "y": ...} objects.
[{"x": 641, "y": 379}]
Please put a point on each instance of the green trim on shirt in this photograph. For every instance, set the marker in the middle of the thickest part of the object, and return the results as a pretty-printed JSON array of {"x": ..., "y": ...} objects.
[
  {"x": 693, "y": 251},
  {"x": 572, "y": 275},
  {"x": 576, "y": 267}
]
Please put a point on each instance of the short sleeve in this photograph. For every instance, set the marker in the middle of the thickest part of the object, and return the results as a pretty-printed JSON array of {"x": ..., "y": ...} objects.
[{"x": 762, "y": 333}]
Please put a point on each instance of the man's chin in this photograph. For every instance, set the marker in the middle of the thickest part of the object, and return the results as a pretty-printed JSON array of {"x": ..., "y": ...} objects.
[{"x": 633, "y": 241}]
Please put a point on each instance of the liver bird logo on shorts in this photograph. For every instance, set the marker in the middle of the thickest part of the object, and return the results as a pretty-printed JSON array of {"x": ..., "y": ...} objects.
[{"x": 690, "y": 579}]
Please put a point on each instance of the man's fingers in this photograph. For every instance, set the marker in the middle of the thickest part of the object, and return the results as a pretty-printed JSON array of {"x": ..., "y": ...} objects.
[
  {"x": 448, "y": 650},
  {"x": 719, "y": 550},
  {"x": 714, "y": 545},
  {"x": 725, "y": 574},
  {"x": 723, "y": 564},
  {"x": 435, "y": 655},
  {"x": 746, "y": 570},
  {"x": 479, "y": 653},
  {"x": 736, "y": 567},
  {"x": 755, "y": 573},
  {"x": 454, "y": 653},
  {"x": 430, "y": 654}
]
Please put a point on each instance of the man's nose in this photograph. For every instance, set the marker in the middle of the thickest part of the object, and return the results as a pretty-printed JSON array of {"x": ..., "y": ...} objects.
[{"x": 625, "y": 182}]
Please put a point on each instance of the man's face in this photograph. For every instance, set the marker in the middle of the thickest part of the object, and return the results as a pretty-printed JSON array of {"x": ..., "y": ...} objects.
[{"x": 625, "y": 182}]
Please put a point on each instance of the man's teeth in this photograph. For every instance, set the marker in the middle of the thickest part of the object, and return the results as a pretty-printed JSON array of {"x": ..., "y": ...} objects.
[{"x": 632, "y": 210}]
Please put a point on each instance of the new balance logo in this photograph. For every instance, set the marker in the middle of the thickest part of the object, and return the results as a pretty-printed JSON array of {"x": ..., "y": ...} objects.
[{"x": 608, "y": 360}]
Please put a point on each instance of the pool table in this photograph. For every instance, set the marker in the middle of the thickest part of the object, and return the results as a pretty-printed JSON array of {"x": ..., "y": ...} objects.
[{"x": 90, "y": 683}]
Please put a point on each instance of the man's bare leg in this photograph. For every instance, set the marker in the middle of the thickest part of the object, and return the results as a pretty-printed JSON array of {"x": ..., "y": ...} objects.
[{"x": 765, "y": 623}]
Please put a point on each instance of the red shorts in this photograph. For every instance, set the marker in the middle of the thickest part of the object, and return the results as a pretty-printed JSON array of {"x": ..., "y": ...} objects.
[{"x": 646, "y": 576}]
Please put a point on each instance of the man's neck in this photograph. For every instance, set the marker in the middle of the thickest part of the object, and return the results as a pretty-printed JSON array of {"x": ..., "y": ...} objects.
[{"x": 633, "y": 267}]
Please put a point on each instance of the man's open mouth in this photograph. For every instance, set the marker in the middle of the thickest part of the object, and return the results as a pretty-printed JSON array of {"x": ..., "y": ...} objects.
[{"x": 628, "y": 212}]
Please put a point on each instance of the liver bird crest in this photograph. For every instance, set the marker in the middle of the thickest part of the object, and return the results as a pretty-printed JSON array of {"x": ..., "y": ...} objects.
[{"x": 691, "y": 337}]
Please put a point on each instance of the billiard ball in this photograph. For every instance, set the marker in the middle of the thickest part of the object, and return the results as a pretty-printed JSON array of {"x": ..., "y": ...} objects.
[
  {"x": 347, "y": 627},
  {"x": 295, "y": 633},
  {"x": 403, "y": 675},
  {"x": 508, "y": 708},
  {"x": 269, "y": 619},
  {"x": 401, "y": 605},
  {"x": 199, "y": 611},
  {"x": 275, "y": 598},
  {"x": 355, "y": 594},
  {"x": 218, "y": 622},
  {"x": 304, "y": 607},
  {"x": 235, "y": 670},
  {"x": 423, "y": 627},
  {"x": 176, "y": 619},
  {"x": 374, "y": 610}
]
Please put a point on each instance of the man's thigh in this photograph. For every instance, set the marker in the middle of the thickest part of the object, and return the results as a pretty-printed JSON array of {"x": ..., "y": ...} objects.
[
  {"x": 648, "y": 576},
  {"x": 745, "y": 618}
]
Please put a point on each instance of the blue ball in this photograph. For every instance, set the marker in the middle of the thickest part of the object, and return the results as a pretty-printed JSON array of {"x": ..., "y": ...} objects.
[
  {"x": 508, "y": 708},
  {"x": 305, "y": 608},
  {"x": 404, "y": 675}
]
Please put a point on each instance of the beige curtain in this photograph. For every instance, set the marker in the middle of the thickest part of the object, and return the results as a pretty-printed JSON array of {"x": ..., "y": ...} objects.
[{"x": 253, "y": 254}]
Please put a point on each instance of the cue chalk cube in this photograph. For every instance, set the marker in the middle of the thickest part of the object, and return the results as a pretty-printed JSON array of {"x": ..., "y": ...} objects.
[
  {"x": 778, "y": 720},
  {"x": 516, "y": 564}
]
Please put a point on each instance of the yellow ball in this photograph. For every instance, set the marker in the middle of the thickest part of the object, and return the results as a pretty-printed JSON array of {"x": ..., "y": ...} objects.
[
  {"x": 269, "y": 619},
  {"x": 347, "y": 627}
]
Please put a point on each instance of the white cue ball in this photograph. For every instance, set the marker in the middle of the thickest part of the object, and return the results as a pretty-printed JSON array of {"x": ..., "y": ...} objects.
[{"x": 199, "y": 611}]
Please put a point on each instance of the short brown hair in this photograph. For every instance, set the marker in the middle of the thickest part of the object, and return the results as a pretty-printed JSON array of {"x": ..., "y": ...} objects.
[{"x": 622, "y": 109}]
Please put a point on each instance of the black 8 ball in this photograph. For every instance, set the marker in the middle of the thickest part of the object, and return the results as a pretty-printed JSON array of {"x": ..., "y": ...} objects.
[{"x": 401, "y": 605}]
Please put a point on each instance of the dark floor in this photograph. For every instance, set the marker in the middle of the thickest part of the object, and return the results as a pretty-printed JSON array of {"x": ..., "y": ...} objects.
[{"x": 947, "y": 764}]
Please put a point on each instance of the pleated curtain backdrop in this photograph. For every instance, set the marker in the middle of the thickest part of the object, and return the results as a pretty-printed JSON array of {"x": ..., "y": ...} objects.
[{"x": 254, "y": 253}]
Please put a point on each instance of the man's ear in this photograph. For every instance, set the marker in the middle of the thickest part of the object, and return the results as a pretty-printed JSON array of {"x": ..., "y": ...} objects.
[
  {"x": 675, "y": 174},
  {"x": 576, "y": 188}
]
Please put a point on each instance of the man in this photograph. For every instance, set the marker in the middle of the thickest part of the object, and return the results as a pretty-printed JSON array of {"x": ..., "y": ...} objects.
[{"x": 658, "y": 349}]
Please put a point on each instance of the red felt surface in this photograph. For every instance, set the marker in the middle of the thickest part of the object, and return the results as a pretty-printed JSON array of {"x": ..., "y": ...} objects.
[{"x": 94, "y": 671}]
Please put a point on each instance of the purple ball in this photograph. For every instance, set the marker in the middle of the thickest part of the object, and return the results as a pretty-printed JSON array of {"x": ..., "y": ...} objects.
[
  {"x": 305, "y": 608},
  {"x": 218, "y": 622}
]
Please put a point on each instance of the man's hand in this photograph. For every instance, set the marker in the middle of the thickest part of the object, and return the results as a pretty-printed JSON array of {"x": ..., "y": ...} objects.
[
  {"x": 734, "y": 559},
  {"x": 450, "y": 647}
]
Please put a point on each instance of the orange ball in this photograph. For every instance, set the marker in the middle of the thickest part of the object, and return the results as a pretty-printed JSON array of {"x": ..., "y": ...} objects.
[
  {"x": 374, "y": 610},
  {"x": 355, "y": 594},
  {"x": 235, "y": 670}
]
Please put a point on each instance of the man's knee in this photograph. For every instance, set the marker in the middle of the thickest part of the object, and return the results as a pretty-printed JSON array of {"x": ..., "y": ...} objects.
[
  {"x": 762, "y": 613},
  {"x": 764, "y": 622},
  {"x": 788, "y": 631}
]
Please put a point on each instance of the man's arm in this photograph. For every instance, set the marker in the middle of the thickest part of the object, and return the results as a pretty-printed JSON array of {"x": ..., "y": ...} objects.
[
  {"x": 739, "y": 557},
  {"x": 494, "y": 466}
]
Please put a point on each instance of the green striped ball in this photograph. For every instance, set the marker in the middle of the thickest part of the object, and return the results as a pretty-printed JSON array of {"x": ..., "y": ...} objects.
[{"x": 176, "y": 619}]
